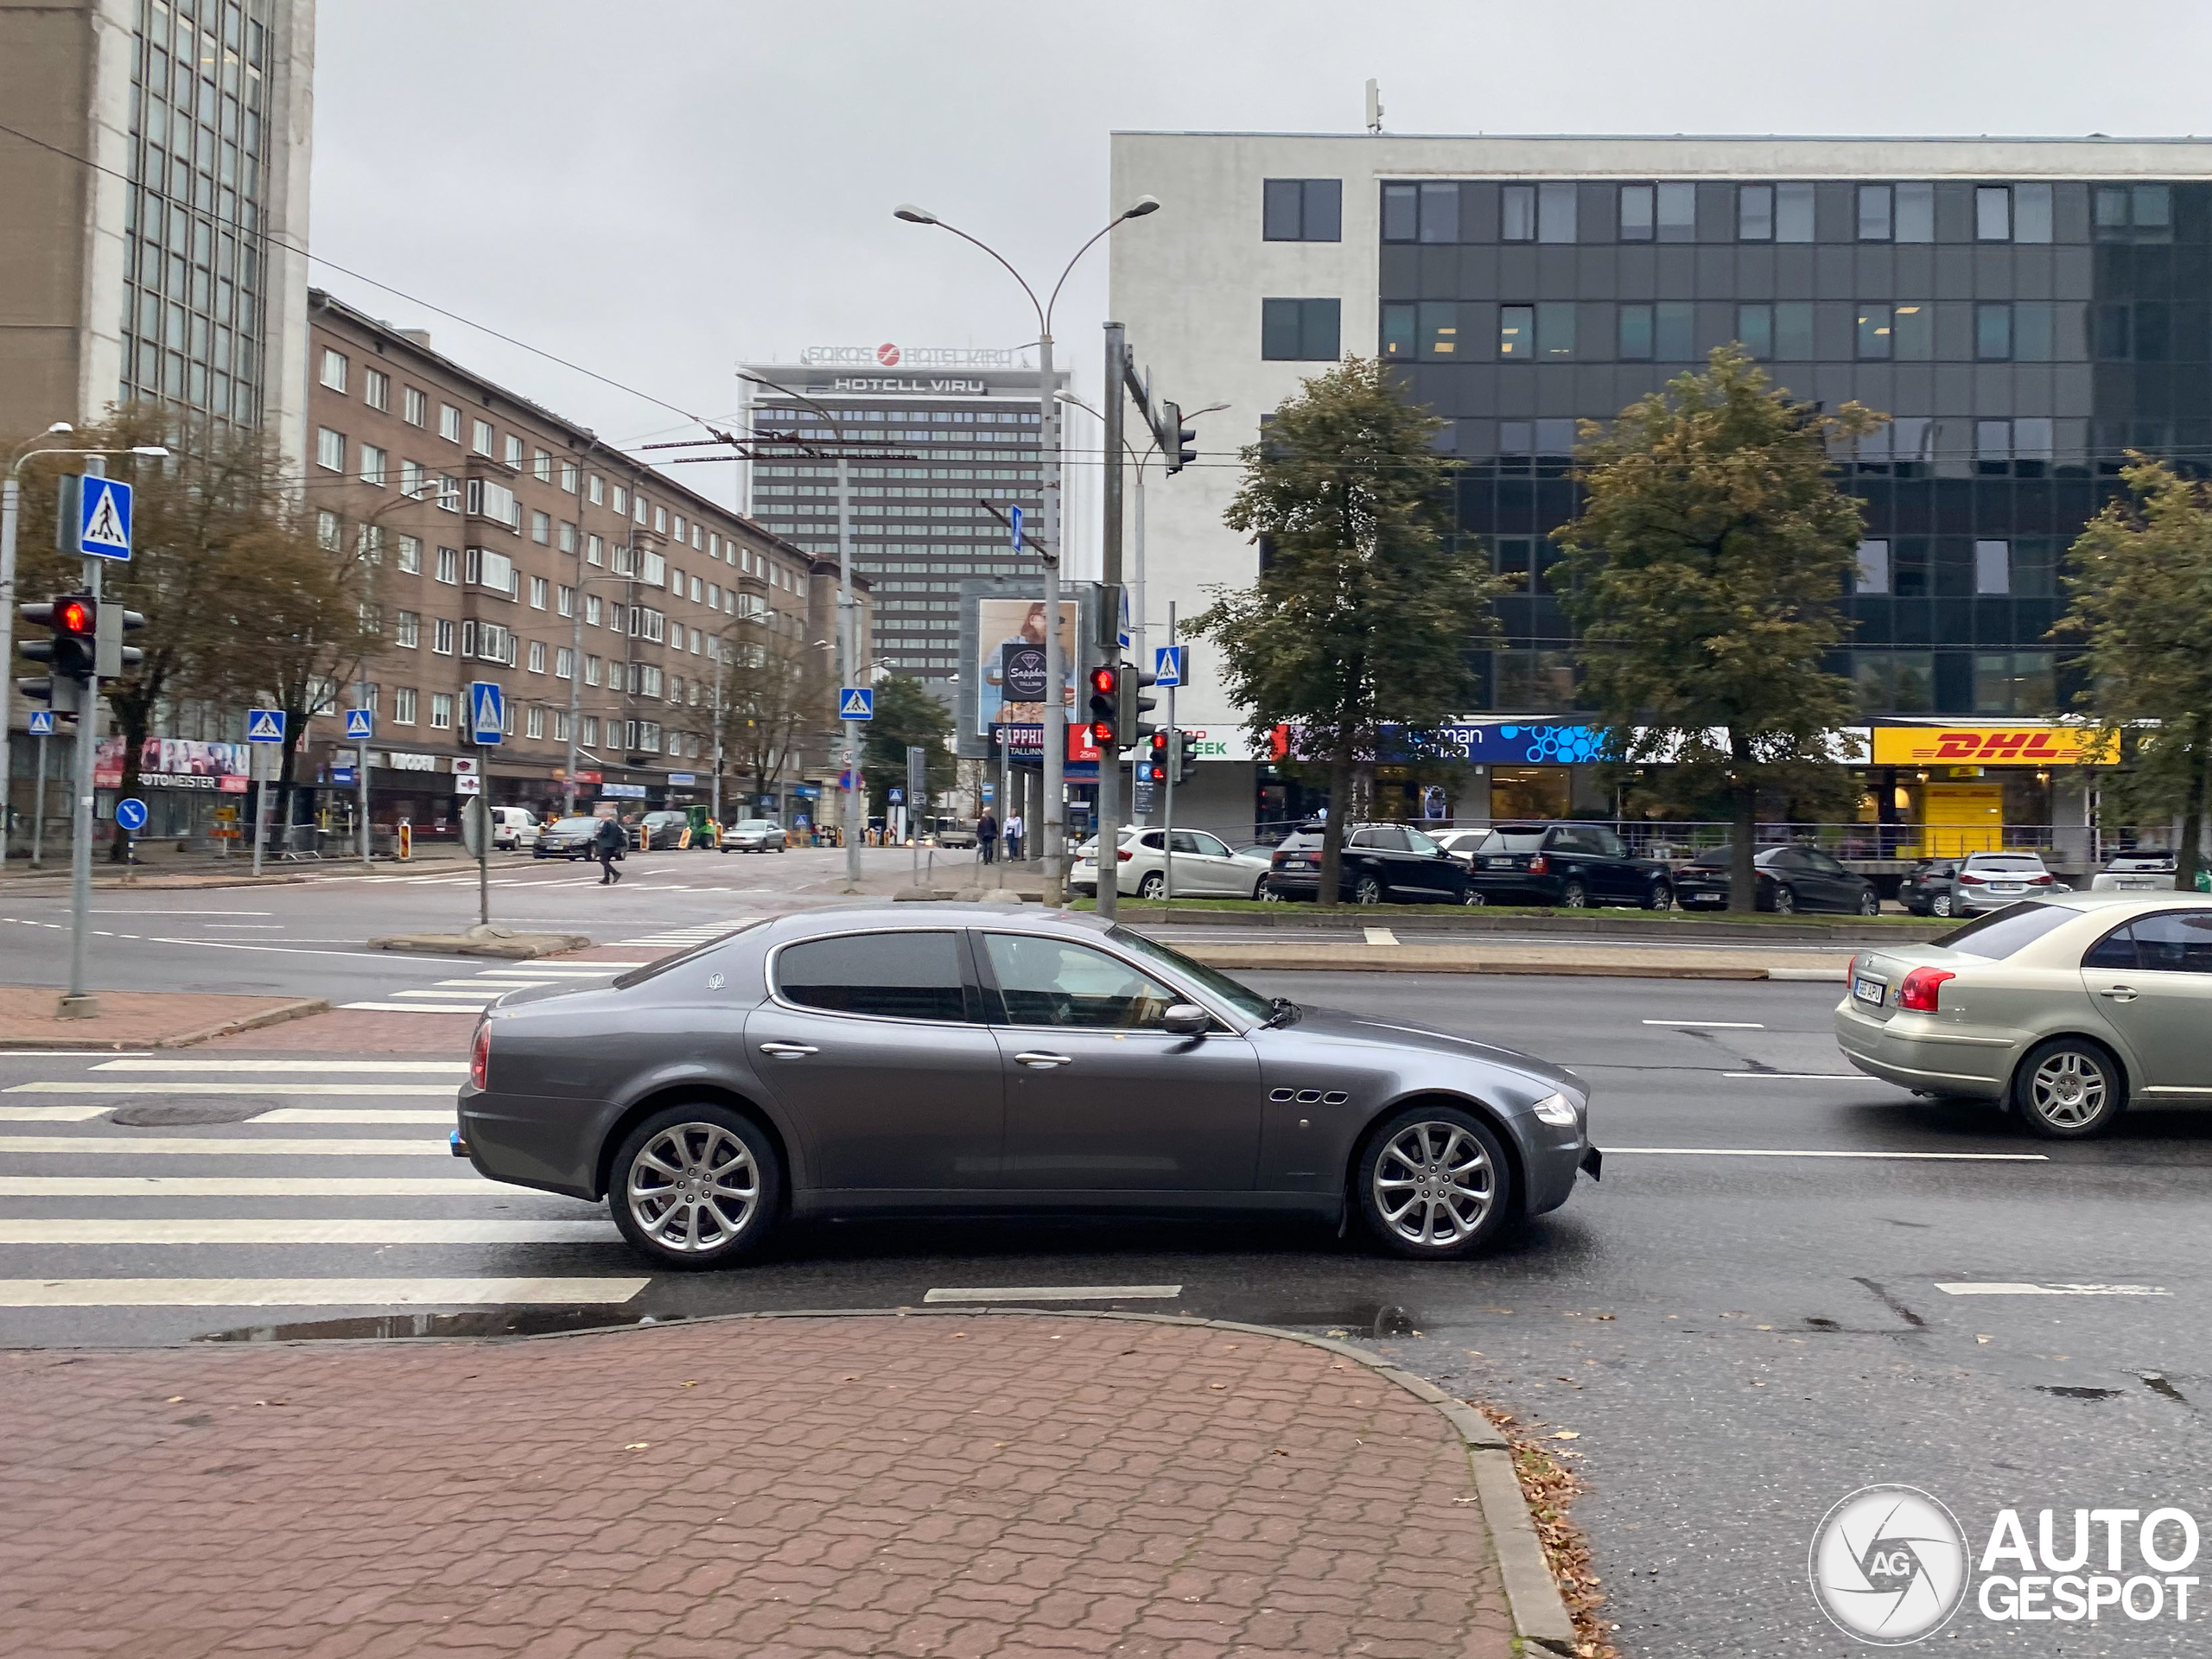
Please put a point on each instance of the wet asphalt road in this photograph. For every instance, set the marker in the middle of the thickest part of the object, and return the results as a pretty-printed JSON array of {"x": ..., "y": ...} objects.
[{"x": 1736, "y": 1342}]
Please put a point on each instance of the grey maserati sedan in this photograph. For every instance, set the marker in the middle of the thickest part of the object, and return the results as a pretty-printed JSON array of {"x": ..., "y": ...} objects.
[{"x": 915, "y": 1058}]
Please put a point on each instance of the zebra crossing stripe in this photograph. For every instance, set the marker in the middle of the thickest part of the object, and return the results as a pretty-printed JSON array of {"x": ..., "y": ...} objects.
[
  {"x": 349, "y": 1091},
  {"x": 440, "y": 1068},
  {"x": 75, "y": 1145},
  {"x": 245, "y": 1186},
  {"x": 48, "y": 1113},
  {"x": 283, "y": 1229},
  {"x": 345, "y": 1115},
  {"x": 415, "y": 1008},
  {"x": 313, "y": 1293}
]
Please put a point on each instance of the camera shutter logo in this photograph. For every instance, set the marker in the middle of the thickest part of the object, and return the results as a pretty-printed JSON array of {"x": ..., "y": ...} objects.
[{"x": 1889, "y": 1565}]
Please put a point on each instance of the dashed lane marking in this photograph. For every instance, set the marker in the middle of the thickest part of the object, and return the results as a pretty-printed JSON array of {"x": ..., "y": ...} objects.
[
  {"x": 48, "y": 1113},
  {"x": 1990, "y": 1287},
  {"x": 311, "y": 1293},
  {"x": 1784, "y": 1151},
  {"x": 415, "y": 1008},
  {"x": 438, "y": 1068},
  {"x": 102, "y": 1086},
  {"x": 245, "y": 1186},
  {"x": 183, "y": 1146}
]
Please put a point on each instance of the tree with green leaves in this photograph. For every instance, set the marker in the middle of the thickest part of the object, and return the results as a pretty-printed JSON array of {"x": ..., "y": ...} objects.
[
  {"x": 1355, "y": 637},
  {"x": 906, "y": 713},
  {"x": 2140, "y": 588},
  {"x": 1705, "y": 573}
]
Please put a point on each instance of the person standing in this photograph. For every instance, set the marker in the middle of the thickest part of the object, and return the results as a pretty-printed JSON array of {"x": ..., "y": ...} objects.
[
  {"x": 987, "y": 836},
  {"x": 1013, "y": 832},
  {"x": 607, "y": 843}
]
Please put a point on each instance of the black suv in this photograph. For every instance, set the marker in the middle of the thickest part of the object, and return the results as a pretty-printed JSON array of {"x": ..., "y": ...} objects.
[
  {"x": 1571, "y": 865},
  {"x": 1383, "y": 863}
]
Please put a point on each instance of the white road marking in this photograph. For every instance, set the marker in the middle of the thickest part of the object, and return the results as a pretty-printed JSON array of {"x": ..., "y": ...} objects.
[
  {"x": 439, "y": 1068},
  {"x": 1994, "y": 1288},
  {"x": 347, "y": 1115},
  {"x": 1380, "y": 935},
  {"x": 1056, "y": 1293},
  {"x": 1800, "y": 1077},
  {"x": 311, "y": 1293},
  {"x": 48, "y": 1113},
  {"x": 69, "y": 1054},
  {"x": 1710, "y": 1025},
  {"x": 245, "y": 1229},
  {"x": 488, "y": 984},
  {"x": 1827, "y": 975},
  {"x": 243, "y": 1186},
  {"x": 194, "y": 1146},
  {"x": 289, "y": 950},
  {"x": 101, "y": 1086},
  {"x": 415, "y": 1008},
  {"x": 487, "y": 993},
  {"x": 1781, "y": 1151}
]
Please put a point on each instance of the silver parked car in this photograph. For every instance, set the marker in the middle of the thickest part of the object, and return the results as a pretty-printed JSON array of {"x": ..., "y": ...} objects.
[
  {"x": 2138, "y": 872},
  {"x": 754, "y": 835},
  {"x": 912, "y": 1059},
  {"x": 2067, "y": 1009},
  {"x": 1976, "y": 884}
]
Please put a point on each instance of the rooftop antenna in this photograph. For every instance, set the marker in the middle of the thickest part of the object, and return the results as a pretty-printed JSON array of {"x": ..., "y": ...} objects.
[{"x": 1374, "y": 107}]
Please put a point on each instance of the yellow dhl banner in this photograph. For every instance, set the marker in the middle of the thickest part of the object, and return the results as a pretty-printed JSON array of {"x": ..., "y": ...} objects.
[{"x": 1990, "y": 745}]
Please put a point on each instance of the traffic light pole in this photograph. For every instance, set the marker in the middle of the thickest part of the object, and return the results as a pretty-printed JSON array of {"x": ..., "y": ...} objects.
[
  {"x": 78, "y": 1003},
  {"x": 1174, "y": 766},
  {"x": 1109, "y": 628}
]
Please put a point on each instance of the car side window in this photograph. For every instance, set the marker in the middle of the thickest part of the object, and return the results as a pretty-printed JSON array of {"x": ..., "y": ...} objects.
[
  {"x": 1152, "y": 841},
  {"x": 893, "y": 975},
  {"x": 1572, "y": 841},
  {"x": 1420, "y": 843},
  {"x": 1046, "y": 981},
  {"x": 2115, "y": 949},
  {"x": 1384, "y": 838},
  {"x": 1182, "y": 841},
  {"x": 2179, "y": 942},
  {"x": 1608, "y": 844},
  {"x": 1208, "y": 845},
  {"x": 1825, "y": 865}
]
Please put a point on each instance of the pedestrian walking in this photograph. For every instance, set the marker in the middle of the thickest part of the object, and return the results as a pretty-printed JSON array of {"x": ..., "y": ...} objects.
[
  {"x": 987, "y": 836},
  {"x": 607, "y": 843},
  {"x": 1013, "y": 832}
]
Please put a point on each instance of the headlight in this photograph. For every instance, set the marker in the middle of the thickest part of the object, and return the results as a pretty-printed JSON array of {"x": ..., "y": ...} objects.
[{"x": 1559, "y": 1110}]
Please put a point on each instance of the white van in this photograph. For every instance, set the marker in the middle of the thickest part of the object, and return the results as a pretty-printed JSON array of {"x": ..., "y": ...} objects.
[{"x": 513, "y": 827}]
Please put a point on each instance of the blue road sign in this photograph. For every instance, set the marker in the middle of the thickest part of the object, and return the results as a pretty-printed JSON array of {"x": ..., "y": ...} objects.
[
  {"x": 359, "y": 722},
  {"x": 130, "y": 813},
  {"x": 488, "y": 711},
  {"x": 857, "y": 702},
  {"x": 897, "y": 796},
  {"x": 344, "y": 776},
  {"x": 989, "y": 791},
  {"x": 104, "y": 518},
  {"x": 1167, "y": 665},
  {"x": 41, "y": 722},
  {"x": 1014, "y": 518},
  {"x": 264, "y": 725}
]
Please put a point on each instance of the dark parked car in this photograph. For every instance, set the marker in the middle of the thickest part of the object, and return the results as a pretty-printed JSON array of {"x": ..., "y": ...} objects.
[
  {"x": 659, "y": 831},
  {"x": 1382, "y": 864},
  {"x": 1571, "y": 865},
  {"x": 568, "y": 838},
  {"x": 1791, "y": 878},
  {"x": 893, "y": 1059}
]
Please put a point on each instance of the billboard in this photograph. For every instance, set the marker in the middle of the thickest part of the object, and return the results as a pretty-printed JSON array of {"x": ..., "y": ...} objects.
[
  {"x": 2014, "y": 745},
  {"x": 1002, "y": 661},
  {"x": 175, "y": 763}
]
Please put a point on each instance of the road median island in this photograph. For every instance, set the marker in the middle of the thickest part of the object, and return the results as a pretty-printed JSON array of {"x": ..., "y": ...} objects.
[
  {"x": 504, "y": 943},
  {"x": 1623, "y": 926},
  {"x": 1567, "y": 958},
  {"x": 141, "y": 1019},
  {"x": 842, "y": 1484}
]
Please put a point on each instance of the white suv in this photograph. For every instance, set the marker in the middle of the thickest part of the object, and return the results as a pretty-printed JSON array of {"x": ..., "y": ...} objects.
[{"x": 1205, "y": 868}]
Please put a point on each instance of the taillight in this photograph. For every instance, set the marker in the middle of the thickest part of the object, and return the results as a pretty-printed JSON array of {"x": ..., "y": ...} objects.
[
  {"x": 1851, "y": 974},
  {"x": 1969, "y": 876},
  {"x": 1538, "y": 865},
  {"x": 1918, "y": 992},
  {"x": 480, "y": 1056},
  {"x": 2042, "y": 880},
  {"x": 1124, "y": 853}
]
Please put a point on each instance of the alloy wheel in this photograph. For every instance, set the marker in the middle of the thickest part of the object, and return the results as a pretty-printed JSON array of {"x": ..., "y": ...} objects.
[
  {"x": 1369, "y": 892},
  {"x": 1870, "y": 902},
  {"x": 1941, "y": 905},
  {"x": 1785, "y": 902},
  {"x": 693, "y": 1188},
  {"x": 1575, "y": 896},
  {"x": 2068, "y": 1091},
  {"x": 1434, "y": 1184}
]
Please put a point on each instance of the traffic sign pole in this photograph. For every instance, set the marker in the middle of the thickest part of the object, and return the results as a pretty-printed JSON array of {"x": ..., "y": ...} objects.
[
  {"x": 360, "y": 727},
  {"x": 77, "y": 1003},
  {"x": 38, "y": 808},
  {"x": 1174, "y": 766}
]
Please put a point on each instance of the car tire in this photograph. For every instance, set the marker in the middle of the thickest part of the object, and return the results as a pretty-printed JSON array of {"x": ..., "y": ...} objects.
[
  {"x": 1575, "y": 895},
  {"x": 2067, "y": 1088},
  {"x": 1870, "y": 902},
  {"x": 1152, "y": 885},
  {"x": 1368, "y": 890},
  {"x": 1943, "y": 906},
  {"x": 1473, "y": 896},
  {"x": 1260, "y": 893},
  {"x": 681, "y": 1222},
  {"x": 1425, "y": 1160},
  {"x": 1269, "y": 895},
  {"x": 1662, "y": 897},
  {"x": 1785, "y": 899}
]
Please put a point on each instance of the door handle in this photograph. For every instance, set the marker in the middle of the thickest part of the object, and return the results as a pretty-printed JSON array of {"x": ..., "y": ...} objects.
[
  {"x": 789, "y": 1051},
  {"x": 2119, "y": 993},
  {"x": 1041, "y": 1060}
]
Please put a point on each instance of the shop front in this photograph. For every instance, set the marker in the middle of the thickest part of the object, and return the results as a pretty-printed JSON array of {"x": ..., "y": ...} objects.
[{"x": 1941, "y": 791}]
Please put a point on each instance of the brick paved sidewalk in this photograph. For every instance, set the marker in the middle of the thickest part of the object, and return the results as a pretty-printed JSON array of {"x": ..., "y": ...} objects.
[
  {"x": 141, "y": 1019},
  {"x": 980, "y": 1484}
]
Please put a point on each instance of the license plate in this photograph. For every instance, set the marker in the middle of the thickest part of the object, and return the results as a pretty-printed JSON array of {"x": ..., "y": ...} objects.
[
  {"x": 1296, "y": 864},
  {"x": 2008, "y": 886},
  {"x": 2144, "y": 886},
  {"x": 1497, "y": 863},
  {"x": 1870, "y": 990}
]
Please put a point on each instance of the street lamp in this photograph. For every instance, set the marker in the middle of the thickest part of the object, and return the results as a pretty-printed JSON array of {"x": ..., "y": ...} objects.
[
  {"x": 1055, "y": 725},
  {"x": 11, "y": 496}
]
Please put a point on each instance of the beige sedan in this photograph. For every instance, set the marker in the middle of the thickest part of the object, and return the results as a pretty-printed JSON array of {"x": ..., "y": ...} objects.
[{"x": 2066, "y": 1009}]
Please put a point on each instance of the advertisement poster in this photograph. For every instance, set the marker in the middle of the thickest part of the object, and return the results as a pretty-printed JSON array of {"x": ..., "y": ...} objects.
[
  {"x": 174, "y": 763},
  {"x": 1010, "y": 633}
]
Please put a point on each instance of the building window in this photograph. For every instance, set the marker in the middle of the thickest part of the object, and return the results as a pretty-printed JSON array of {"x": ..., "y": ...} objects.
[
  {"x": 1873, "y": 212},
  {"x": 1755, "y": 213},
  {"x": 566, "y": 540},
  {"x": 2133, "y": 212},
  {"x": 1401, "y": 212},
  {"x": 372, "y": 543},
  {"x": 596, "y": 490},
  {"x": 514, "y": 451},
  {"x": 621, "y": 501},
  {"x": 1636, "y": 334},
  {"x": 1873, "y": 332},
  {"x": 593, "y": 609},
  {"x": 1517, "y": 332},
  {"x": 1992, "y": 332},
  {"x": 329, "y": 449},
  {"x": 1637, "y": 207},
  {"x": 1677, "y": 213},
  {"x": 564, "y": 662},
  {"x": 1516, "y": 212},
  {"x": 537, "y": 656},
  {"x": 1992, "y": 212},
  {"x": 328, "y": 532},
  {"x": 1992, "y": 567},
  {"x": 1555, "y": 331},
  {"x": 660, "y": 518},
  {"x": 594, "y": 550},
  {"x": 1301, "y": 331},
  {"x": 480, "y": 437},
  {"x": 1912, "y": 332},
  {"x": 406, "y": 629},
  {"x": 2032, "y": 213},
  {"x": 411, "y": 554},
  {"x": 1755, "y": 329},
  {"x": 591, "y": 671},
  {"x": 678, "y": 531},
  {"x": 449, "y": 422},
  {"x": 448, "y": 566},
  {"x": 2013, "y": 682},
  {"x": 441, "y": 711},
  {"x": 1440, "y": 213},
  {"x": 376, "y": 389},
  {"x": 414, "y": 407},
  {"x": 1873, "y": 567},
  {"x": 568, "y": 477},
  {"x": 441, "y": 636},
  {"x": 1664, "y": 332},
  {"x": 333, "y": 369},
  {"x": 1913, "y": 217},
  {"x": 375, "y": 464},
  {"x": 403, "y": 705},
  {"x": 541, "y": 527},
  {"x": 591, "y": 732},
  {"x": 538, "y": 586}
]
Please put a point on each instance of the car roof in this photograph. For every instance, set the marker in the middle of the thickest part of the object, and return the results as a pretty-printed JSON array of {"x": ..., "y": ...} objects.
[{"x": 845, "y": 918}]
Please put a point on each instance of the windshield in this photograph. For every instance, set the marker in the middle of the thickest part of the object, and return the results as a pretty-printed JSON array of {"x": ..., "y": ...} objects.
[
  {"x": 580, "y": 826},
  {"x": 758, "y": 823},
  {"x": 2001, "y": 933},
  {"x": 1242, "y": 998},
  {"x": 2005, "y": 862},
  {"x": 1513, "y": 838}
]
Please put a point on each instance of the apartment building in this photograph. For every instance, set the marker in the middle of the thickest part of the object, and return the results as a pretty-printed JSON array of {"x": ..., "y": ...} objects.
[{"x": 610, "y": 602}]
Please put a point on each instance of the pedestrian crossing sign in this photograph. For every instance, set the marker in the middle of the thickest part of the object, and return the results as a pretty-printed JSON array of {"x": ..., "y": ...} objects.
[
  {"x": 857, "y": 702},
  {"x": 264, "y": 725},
  {"x": 359, "y": 722},
  {"x": 41, "y": 722},
  {"x": 487, "y": 704},
  {"x": 104, "y": 518}
]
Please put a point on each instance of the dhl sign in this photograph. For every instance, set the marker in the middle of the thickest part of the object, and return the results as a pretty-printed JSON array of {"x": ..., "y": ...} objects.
[{"x": 1990, "y": 745}]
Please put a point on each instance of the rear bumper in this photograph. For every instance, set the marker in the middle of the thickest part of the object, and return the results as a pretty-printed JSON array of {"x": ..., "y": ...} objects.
[
  {"x": 1503, "y": 886},
  {"x": 1979, "y": 1065}
]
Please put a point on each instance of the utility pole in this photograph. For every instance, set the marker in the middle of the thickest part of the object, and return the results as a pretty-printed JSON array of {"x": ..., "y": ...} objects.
[
  {"x": 1110, "y": 623},
  {"x": 1056, "y": 668},
  {"x": 78, "y": 1004},
  {"x": 848, "y": 650},
  {"x": 1174, "y": 766}
]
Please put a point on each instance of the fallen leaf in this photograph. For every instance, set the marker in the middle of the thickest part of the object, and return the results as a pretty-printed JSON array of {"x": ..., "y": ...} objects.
[
  {"x": 1217, "y": 1385},
  {"x": 1765, "y": 1327},
  {"x": 1981, "y": 1339},
  {"x": 693, "y": 1384},
  {"x": 178, "y": 1399},
  {"x": 637, "y": 1445},
  {"x": 1605, "y": 1316},
  {"x": 1280, "y": 1453},
  {"x": 1566, "y": 1435},
  {"x": 849, "y": 1379}
]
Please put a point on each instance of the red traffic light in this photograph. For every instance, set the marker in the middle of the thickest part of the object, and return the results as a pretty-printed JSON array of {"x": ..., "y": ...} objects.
[
  {"x": 1101, "y": 682},
  {"x": 72, "y": 616}
]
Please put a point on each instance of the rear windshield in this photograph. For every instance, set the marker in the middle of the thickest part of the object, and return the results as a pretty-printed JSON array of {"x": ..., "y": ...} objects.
[
  {"x": 1513, "y": 838},
  {"x": 1717, "y": 859},
  {"x": 2001, "y": 933},
  {"x": 2005, "y": 860},
  {"x": 1297, "y": 844},
  {"x": 655, "y": 969}
]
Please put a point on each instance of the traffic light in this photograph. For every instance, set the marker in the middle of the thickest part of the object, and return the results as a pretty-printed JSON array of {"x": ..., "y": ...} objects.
[
  {"x": 111, "y": 656},
  {"x": 1182, "y": 449},
  {"x": 1187, "y": 756},
  {"x": 1155, "y": 756},
  {"x": 1105, "y": 708},
  {"x": 1137, "y": 702},
  {"x": 71, "y": 653}
]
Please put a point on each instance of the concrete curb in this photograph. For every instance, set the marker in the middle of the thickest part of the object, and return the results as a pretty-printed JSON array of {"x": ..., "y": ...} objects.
[
  {"x": 522, "y": 947},
  {"x": 1541, "y": 1621},
  {"x": 1387, "y": 959},
  {"x": 1612, "y": 927},
  {"x": 64, "y": 1038}
]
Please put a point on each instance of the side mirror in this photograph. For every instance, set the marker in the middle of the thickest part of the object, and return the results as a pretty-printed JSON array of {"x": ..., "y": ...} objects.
[{"x": 1187, "y": 1019}]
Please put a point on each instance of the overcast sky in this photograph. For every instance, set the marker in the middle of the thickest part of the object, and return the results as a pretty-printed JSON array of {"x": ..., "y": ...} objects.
[{"x": 659, "y": 190}]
